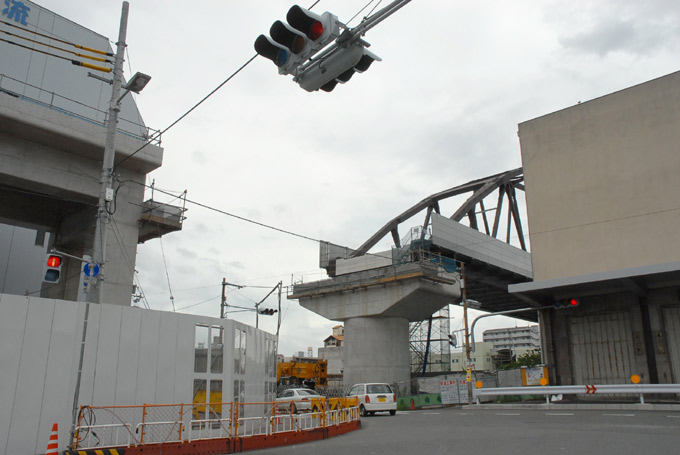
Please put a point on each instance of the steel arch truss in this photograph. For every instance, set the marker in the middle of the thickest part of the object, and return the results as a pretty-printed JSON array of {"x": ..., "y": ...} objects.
[{"x": 506, "y": 184}]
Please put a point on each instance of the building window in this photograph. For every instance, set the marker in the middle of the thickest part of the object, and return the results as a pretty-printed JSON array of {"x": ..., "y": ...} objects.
[
  {"x": 240, "y": 338},
  {"x": 201, "y": 349},
  {"x": 217, "y": 350}
]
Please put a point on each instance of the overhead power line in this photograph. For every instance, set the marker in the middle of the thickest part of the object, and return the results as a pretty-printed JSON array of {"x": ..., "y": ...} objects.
[
  {"x": 97, "y": 59},
  {"x": 160, "y": 133},
  {"x": 74, "y": 62},
  {"x": 223, "y": 212},
  {"x": 78, "y": 46}
]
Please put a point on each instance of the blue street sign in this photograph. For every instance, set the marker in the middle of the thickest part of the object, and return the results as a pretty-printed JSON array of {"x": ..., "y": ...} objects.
[{"x": 90, "y": 268}]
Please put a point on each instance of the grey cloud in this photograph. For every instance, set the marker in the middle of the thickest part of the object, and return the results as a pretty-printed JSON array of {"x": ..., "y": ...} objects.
[
  {"x": 619, "y": 35},
  {"x": 188, "y": 254}
]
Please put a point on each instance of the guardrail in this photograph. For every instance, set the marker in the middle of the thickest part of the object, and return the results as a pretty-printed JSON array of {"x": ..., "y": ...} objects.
[
  {"x": 142, "y": 426},
  {"x": 75, "y": 109},
  {"x": 591, "y": 389}
]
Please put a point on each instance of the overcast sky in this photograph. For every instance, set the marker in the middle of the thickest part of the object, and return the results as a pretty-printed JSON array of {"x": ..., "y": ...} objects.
[{"x": 441, "y": 109}]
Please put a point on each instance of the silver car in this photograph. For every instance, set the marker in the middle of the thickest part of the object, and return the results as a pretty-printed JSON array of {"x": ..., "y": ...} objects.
[{"x": 296, "y": 400}]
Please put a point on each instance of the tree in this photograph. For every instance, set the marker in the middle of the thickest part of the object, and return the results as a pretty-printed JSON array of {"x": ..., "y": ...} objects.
[{"x": 528, "y": 359}]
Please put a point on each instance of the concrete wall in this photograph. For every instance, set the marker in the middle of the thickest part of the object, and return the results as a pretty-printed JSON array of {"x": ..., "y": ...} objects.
[
  {"x": 132, "y": 357},
  {"x": 601, "y": 182},
  {"x": 365, "y": 262},
  {"x": 470, "y": 242},
  {"x": 335, "y": 356},
  {"x": 376, "y": 350}
]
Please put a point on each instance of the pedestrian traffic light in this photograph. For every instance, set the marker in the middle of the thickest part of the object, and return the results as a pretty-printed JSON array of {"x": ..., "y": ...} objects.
[
  {"x": 567, "y": 303},
  {"x": 338, "y": 67},
  {"x": 267, "y": 311},
  {"x": 291, "y": 44},
  {"x": 53, "y": 270}
]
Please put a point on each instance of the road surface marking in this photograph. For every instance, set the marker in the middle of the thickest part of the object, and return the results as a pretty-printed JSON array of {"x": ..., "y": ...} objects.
[
  {"x": 620, "y": 415},
  {"x": 507, "y": 413},
  {"x": 559, "y": 413}
]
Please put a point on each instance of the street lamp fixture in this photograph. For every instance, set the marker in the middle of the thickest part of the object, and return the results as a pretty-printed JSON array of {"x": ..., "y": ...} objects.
[{"x": 137, "y": 83}]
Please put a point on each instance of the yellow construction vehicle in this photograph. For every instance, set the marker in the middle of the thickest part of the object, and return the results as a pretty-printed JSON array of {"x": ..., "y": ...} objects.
[{"x": 303, "y": 372}]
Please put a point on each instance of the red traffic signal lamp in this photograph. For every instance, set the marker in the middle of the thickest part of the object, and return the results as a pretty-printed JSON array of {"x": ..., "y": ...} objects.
[
  {"x": 572, "y": 302},
  {"x": 53, "y": 271},
  {"x": 338, "y": 67},
  {"x": 267, "y": 311},
  {"x": 291, "y": 44}
]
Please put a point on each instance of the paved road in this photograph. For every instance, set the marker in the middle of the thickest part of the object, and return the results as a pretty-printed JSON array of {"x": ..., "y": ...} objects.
[{"x": 506, "y": 432}]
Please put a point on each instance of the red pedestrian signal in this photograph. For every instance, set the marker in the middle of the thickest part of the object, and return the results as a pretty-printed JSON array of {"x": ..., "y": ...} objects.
[{"x": 53, "y": 271}]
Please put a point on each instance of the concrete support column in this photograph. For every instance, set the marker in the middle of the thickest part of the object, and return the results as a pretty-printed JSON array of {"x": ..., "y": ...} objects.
[{"x": 377, "y": 350}]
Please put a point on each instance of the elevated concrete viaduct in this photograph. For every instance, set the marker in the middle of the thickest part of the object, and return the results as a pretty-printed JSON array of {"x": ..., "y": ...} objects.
[
  {"x": 376, "y": 295},
  {"x": 53, "y": 120}
]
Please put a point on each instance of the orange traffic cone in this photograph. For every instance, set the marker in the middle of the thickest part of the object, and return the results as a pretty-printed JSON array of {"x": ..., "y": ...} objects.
[{"x": 53, "y": 445}]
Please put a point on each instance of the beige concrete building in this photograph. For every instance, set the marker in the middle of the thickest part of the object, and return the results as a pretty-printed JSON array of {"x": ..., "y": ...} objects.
[{"x": 602, "y": 192}]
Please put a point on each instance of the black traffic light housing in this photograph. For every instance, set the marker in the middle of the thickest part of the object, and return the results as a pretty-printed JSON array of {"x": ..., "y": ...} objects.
[
  {"x": 571, "y": 302},
  {"x": 267, "y": 311}
]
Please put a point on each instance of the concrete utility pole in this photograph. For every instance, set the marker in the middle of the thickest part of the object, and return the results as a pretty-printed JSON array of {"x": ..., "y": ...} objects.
[
  {"x": 468, "y": 363},
  {"x": 99, "y": 248},
  {"x": 223, "y": 305},
  {"x": 96, "y": 285}
]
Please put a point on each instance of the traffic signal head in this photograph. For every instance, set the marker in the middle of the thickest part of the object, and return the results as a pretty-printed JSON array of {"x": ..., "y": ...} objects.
[
  {"x": 320, "y": 30},
  {"x": 53, "y": 270},
  {"x": 267, "y": 311},
  {"x": 452, "y": 340},
  {"x": 291, "y": 44},
  {"x": 338, "y": 67},
  {"x": 572, "y": 302}
]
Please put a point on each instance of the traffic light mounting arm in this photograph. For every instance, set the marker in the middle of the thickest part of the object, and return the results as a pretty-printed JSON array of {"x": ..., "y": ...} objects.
[
  {"x": 355, "y": 34},
  {"x": 297, "y": 64}
]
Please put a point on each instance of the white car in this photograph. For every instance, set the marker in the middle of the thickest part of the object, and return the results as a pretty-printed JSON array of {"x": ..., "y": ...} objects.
[
  {"x": 295, "y": 400},
  {"x": 374, "y": 397}
]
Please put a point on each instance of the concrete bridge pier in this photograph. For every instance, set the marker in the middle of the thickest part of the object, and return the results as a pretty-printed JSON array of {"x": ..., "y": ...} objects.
[
  {"x": 377, "y": 350},
  {"x": 376, "y": 306}
]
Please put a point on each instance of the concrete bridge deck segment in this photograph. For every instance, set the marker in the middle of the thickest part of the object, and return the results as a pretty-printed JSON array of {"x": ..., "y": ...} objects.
[{"x": 411, "y": 291}]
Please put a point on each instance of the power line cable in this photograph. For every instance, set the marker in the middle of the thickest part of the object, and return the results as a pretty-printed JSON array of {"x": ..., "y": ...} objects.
[
  {"x": 167, "y": 275},
  {"x": 74, "y": 62},
  {"x": 96, "y": 51},
  {"x": 199, "y": 303},
  {"x": 91, "y": 57},
  {"x": 160, "y": 133},
  {"x": 223, "y": 212}
]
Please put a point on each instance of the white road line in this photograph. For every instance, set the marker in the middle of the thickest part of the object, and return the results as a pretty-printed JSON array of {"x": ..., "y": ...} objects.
[
  {"x": 673, "y": 416},
  {"x": 559, "y": 413},
  {"x": 507, "y": 413},
  {"x": 620, "y": 415}
]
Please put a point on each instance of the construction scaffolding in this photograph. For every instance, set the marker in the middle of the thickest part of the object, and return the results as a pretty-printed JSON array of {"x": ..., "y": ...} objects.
[{"x": 429, "y": 344}]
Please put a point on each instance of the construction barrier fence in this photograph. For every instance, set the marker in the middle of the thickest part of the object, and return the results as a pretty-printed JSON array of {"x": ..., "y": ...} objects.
[{"x": 210, "y": 428}]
